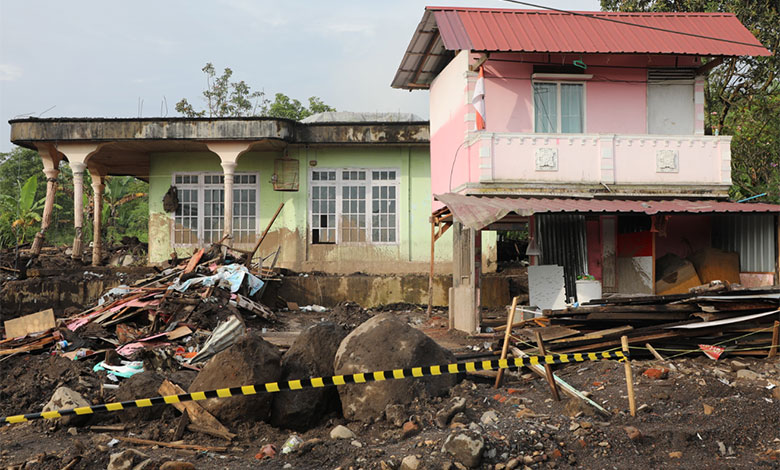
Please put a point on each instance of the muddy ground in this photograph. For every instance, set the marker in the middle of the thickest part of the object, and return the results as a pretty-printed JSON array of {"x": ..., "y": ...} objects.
[{"x": 701, "y": 416}]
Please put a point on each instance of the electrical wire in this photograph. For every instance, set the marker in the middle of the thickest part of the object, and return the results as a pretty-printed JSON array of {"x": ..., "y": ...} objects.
[{"x": 612, "y": 20}]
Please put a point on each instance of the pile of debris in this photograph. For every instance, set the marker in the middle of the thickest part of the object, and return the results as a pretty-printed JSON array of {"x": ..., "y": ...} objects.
[
  {"x": 715, "y": 319},
  {"x": 184, "y": 314}
]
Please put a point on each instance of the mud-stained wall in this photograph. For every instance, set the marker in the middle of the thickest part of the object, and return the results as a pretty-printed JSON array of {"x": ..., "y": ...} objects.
[
  {"x": 374, "y": 291},
  {"x": 69, "y": 289},
  {"x": 291, "y": 231}
]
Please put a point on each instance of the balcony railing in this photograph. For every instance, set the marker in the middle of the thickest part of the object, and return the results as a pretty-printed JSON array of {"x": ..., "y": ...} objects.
[{"x": 611, "y": 159}]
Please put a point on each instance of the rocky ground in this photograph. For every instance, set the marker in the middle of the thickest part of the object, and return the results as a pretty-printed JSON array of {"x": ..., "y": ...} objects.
[{"x": 697, "y": 414}]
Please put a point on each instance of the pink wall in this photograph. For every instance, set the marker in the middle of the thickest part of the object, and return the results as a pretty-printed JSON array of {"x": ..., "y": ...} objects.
[
  {"x": 616, "y": 96},
  {"x": 448, "y": 127}
]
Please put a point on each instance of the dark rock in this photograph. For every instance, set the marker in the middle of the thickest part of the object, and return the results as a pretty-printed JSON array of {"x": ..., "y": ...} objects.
[
  {"x": 251, "y": 360},
  {"x": 143, "y": 385},
  {"x": 386, "y": 343},
  {"x": 311, "y": 355}
]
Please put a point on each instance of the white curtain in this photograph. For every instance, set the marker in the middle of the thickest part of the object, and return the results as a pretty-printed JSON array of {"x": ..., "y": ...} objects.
[{"x": 571, "y": 108}]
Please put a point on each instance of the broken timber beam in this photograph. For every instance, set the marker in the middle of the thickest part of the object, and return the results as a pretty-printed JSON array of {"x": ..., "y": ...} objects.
[{"x": 565, "y": 387}]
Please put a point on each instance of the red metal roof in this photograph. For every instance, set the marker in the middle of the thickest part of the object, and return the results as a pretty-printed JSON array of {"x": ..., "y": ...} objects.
[
  {"x": 478, "y": 212},
  {"x": 480, "y": 29}
]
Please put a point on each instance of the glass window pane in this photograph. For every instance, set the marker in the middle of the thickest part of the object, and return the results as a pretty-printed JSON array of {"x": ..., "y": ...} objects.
[{"x": 545, "y": 107}]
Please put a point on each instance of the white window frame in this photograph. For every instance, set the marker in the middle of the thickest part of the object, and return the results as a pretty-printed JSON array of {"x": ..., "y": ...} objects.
[
  {"x": 201, "y": 187},
  {"x": 558, "y": 84},
  {"x": 368, "y": 183}
]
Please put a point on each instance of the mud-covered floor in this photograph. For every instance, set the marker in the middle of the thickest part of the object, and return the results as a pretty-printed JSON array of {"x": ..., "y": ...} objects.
[{"x": 701, "y": 416}]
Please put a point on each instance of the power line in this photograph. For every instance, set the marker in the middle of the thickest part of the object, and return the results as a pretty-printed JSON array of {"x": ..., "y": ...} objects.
[{"x": 612, "y": 20}]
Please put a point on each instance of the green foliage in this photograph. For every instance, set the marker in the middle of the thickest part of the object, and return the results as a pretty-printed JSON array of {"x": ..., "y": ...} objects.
[
  {"x": 742, "y": 95},
  {"x": 22, "y": 195},
  {"x": 236, "y": 99}
]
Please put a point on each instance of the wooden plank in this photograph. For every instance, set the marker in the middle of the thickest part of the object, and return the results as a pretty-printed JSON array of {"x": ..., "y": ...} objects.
[
  {"x": 197, "y": 414},
  {"x": 549, "y": 333},
  {"x": 586, "y": 309},
  {"x": 775, "y": 340},
  {"x": 611, "y": 343},
  {"x": 194, "y": 260},
  {"x": 547, "y": 369},
  {"x": 33, "y": 323},
  {"x": 595, "y": 334},
  {"x": 637, "y": 316},
  {"x": 172, "y": 445},
  {"x": 629, "y": 376}
]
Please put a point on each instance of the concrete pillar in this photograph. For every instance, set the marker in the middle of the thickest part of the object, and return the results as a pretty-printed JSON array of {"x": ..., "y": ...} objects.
[
  {"x": 78, "y": 154},
  {"x": 464, "y": 295},
  {"x": 51, "y": 163},
  {"x": 228, "y": 152},
  {"x": 98, "y": 187},
  {"x": 229, "y": 170},
  {"x": 78, "y": 207}
]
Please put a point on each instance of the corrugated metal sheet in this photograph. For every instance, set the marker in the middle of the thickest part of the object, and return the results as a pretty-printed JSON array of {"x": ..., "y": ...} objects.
[
  {"x": 479, "y": 212},
  {"x": 750, "y": 235},
  {"x": 552, "y": 31},
  {"x": 561, "y": 240},
  {"x": 480, "y": 29}
]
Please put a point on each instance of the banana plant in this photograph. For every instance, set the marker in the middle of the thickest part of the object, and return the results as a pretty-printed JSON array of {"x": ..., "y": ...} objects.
[{"x": 24, "y": 212}]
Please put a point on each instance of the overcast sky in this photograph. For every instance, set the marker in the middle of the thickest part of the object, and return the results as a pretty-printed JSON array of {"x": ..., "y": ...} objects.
[{"x": 99, "y": 58}]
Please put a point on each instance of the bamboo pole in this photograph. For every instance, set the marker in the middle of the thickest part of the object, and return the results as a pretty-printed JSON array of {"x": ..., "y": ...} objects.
[
  {"x": 547, "y": 369},
  {"x": 629, "y": 377},
  {"x": 775, "y": 340},
  {"x": 251, "y": 254},
  {"x": 509, "y": 322}
]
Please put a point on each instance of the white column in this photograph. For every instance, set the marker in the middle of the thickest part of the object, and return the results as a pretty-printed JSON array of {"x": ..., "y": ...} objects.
[
  {"x": 78, "y": 206},
  {"x": 228, "y": 170},
  {"x": 51, "y": 163},
  {"x": 98, "y": 187},
  {"x": 228, "y": 152},
  {"x": 78, "y": 154}
]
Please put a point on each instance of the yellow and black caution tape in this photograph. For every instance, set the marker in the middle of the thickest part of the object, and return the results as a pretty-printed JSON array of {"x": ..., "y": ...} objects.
[{"x": 318, "y": 382}]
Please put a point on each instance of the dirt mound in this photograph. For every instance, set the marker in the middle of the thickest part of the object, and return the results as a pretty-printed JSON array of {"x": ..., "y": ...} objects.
[{"x": 349, "y": 315}]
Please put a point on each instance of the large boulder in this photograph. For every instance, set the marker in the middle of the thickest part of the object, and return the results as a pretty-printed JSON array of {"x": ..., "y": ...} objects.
[
  {"x": 143, "y": 385},
  {"x": 66, "y": 398},
  {"x": 311, "y": 355},
  {"x": 385, "y": 343},
  {"x": 251, "y": 360}
]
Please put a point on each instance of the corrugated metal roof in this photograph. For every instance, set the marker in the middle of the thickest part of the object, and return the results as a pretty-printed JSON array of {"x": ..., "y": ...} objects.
[
  {"x": 444, "y": 30},
  {"x": 598, "y": 32},
  {"x": 479, "y": 212}
]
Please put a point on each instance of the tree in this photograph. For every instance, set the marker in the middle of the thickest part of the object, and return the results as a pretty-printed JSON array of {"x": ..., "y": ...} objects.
[
  {"x": 741, "y": 94},
  {"x": 236, "y": 99},
  {"x": 224, "y": 98}
]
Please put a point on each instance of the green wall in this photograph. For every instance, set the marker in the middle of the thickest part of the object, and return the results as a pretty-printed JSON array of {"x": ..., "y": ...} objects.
[{"x": 290, "y": 231}]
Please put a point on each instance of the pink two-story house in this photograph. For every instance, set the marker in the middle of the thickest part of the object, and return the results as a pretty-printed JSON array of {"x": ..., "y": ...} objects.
[{"x": 590, "y": 128}]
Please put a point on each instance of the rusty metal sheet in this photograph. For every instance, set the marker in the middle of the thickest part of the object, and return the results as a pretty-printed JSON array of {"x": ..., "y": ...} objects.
[
  {"x": 478, "y": 212},
  {"x": 598, "y": 33}
]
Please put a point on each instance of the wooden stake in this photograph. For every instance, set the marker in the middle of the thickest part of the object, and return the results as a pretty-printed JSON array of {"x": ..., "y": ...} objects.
[
  {"x": 775, "y": 340},
  {"x": 547, "y": 369},
  {"x": 430, "y": 275},
  {"x": 510, "y": 319},
  {"x": 629, "y": 377},
  {"x": 654, "y": 352},
  {"x": 251, "y": 255}
]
